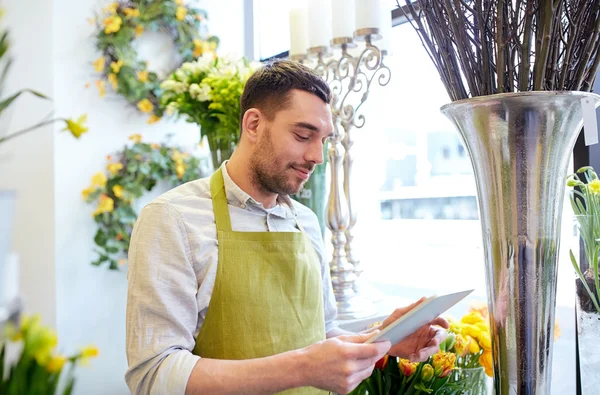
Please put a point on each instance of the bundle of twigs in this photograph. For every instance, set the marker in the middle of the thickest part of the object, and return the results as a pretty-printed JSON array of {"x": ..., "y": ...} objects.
[{"x": 483, "y": 47}]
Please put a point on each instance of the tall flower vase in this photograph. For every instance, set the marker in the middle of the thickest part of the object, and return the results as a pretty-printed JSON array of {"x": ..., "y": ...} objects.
[
  {"x": 220, "y": 149},
  {"x": 519, "y": 145}
]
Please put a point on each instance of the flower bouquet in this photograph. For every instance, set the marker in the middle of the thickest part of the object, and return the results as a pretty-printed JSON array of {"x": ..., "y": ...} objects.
[
  {"x": 39, "y": 367},
  {"x": 208, "y": 93}
]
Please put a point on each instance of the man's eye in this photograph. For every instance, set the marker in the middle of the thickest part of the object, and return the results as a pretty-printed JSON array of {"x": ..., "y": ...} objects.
[{"x": 301, "y": 138}]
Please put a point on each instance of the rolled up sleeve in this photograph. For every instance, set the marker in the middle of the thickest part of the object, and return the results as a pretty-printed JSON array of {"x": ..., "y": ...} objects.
[{"x": 162, "y": 311}]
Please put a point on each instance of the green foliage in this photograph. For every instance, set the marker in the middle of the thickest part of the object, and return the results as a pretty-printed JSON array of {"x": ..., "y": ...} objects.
[{"x": 129, "y": 174}]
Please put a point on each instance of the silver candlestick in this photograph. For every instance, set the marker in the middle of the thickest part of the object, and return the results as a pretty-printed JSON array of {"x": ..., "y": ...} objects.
[{"x": 349, "y": 78}]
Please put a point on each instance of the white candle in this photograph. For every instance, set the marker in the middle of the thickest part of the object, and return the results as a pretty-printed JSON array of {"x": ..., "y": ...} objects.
[
  {"x": 298, "y": 31},
  {"x": 368, "y": 14},
  {"x": 344, "y": 20},
  {"x": 319, "y": 23},
  {"x": 386, "y": 30}
]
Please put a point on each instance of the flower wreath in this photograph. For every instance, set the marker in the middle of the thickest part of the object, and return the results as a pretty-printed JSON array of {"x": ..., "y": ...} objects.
[
  {"x": 122, "y": 22},
  {"x": 128, "y": 175}
]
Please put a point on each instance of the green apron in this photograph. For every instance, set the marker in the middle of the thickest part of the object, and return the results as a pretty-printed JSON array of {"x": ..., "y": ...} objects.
[{"x": 268, "y": 292}]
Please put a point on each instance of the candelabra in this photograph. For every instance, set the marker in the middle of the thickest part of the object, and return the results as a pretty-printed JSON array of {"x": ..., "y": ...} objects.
[{"x": 350, "y": 79}]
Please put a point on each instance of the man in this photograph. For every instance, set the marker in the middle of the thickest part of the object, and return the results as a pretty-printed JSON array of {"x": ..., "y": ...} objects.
[{"x": 229, "y": 289}]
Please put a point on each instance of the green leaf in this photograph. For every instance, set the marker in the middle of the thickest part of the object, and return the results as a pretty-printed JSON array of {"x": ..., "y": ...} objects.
[
  {"x": 8, "y": 101},
  {"x": 101, "y": 238}
]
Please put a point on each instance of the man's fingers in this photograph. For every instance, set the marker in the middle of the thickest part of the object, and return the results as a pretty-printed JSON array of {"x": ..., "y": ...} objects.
[
  {"x": 358, "y": 338},
  {"x": 373, "y": 350},
  {"x": 440, "y": 321}
]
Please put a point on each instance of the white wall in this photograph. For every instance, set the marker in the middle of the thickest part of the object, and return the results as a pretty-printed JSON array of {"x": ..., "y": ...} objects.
[{"x": 55, "y": 228}]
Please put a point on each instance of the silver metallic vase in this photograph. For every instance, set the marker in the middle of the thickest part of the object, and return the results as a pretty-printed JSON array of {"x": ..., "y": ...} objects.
[{"x": 520, "y": 144}]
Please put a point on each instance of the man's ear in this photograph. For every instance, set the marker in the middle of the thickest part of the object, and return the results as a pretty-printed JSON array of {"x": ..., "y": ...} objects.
[{"x": 252, "y": 119}]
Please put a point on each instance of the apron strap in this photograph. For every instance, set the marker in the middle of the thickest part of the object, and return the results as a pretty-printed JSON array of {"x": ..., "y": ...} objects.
[{"x": 219, "y": 201}]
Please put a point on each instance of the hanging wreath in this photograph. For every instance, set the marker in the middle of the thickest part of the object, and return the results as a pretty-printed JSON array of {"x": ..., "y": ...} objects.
[
  {"x": 129, "y": 174},
  {"x": 122, "y": 22}
]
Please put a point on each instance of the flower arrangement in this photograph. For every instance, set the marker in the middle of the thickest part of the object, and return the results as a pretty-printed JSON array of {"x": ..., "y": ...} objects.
[
  {"x": 586, "y": 206},
  {"x": 39, "y": 368},
  {"x": 75, "y": 126},
  {"x": 465, "y": 357},
  {"x": 129, "y": 173},
  {"x": 121, "y": 22},
  {"x": 208, "y": 93}
]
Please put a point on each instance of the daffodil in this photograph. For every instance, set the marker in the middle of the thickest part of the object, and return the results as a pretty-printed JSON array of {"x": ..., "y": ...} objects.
[
  {"x": 99, "y": 179},
  {"x": 106, "y": 205},
  {"x": 116, "y": 66},
  {"x": 56, "y": 363},
  {"x": 131, "y": 12},
  {"x": 114, "y": 168},
  {"x": 76, "y": 127},
  {"x": 112, "y": 78},
  {"x": 180, "y": 13},
  {"x": 136, "y": 138},
  {"x": 118, "y": 191},
  {"x": 88, "y": 352},
  {"x": 594, "y": 186},
  {"x": 99, "y": 64},
  {"x": 101, "y": 85},
  {"x": 145, "y": 105},
  {"x": 142, "y": 76},
  {"x": 153, "y": 119},
  {"x": 139, "y": 29},
  {"x": 112, "y": 24}
]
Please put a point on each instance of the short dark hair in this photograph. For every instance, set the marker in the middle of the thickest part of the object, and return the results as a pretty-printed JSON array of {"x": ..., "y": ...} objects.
[{"x": 268, "y": 89}]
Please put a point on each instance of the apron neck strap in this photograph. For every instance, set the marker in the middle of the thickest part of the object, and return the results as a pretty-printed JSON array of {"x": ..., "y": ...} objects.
[{"x": 219, "y": 201}]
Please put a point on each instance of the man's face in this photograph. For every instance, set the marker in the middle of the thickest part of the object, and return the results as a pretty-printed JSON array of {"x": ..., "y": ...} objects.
[{"x": 291, "y": 145}]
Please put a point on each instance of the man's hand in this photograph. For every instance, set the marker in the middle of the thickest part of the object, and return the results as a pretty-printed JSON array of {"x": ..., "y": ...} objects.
[
  {"x": 341, "y": 363},
  {"x": 424, "y": 342}
]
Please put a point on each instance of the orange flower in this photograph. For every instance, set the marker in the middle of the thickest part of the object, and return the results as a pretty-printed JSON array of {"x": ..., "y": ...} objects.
[
  {"x": 119, "y": 237},
  {"x": 406, "y": 367},
  {"x": 461, "y": 345},
  {"x": 443, "y": 363},
  {"x": 487, "y": 362},
  {"x": 382, "y": 363}
]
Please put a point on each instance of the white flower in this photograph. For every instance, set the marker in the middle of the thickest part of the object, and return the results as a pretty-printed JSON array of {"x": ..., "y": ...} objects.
[
  {"x": 194, "y": 90},
  {"x": 175, "y": 86},
  {"x": 188, "y": 67},
  {"x": 203, "y": 93},
  {"x": 204, "y": 62},
  {"x": 172, "y": 108},
  {"x": 181, "y": 76}
]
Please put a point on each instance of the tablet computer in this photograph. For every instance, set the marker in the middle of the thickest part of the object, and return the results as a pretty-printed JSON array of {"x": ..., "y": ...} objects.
[{"x": 420, "y": 315}]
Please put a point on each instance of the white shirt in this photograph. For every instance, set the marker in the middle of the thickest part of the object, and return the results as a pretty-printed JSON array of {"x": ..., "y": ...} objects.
[{"x": 173, "y": 259}]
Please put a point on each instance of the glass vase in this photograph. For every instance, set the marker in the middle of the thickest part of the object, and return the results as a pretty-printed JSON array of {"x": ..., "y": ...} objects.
[
  {"x": 469, "y": 381},
  {"x": 220, "y": 149}
]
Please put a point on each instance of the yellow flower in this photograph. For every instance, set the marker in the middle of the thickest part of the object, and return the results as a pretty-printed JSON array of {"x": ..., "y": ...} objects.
[
  {"x": 106, "y": 205},
  {"x": 594, "y": 186},
  {"x": 76, "y": 127},
  {"x": 99, "y": 179},
  {"x": 487, "y": 362},
  {"x": 86, "y": 192},
  {"x": 145, "y": 105},
  {"x": 131, "y": 12},
  {"x": 480, "y": 307},
  {"x": 201, "y": 47},
  {"x": 474, "y": 317},
  {"x": 116, "y": 66},
  {"x": 101, "y": 85},
  {"x": 180, "y": 170},
  {"x": 112, "y": 78},
  {"x": 471, "y": 330},
  {"x": 155, "y": 146},
  {"x": 114, "y": 168},
  {"x": 112, "y": 24},
  {"x": 139, "y": 29},
  {"x": 443, "y": 363},
  {"x": 180, "y": 13},
  {"x": 461, "y": 345},
  {"x": 40, "y": 341},
  {"x": 427, "y": 373},
  {"x": 153, "y": 119},
  {"x": 111, "y": 8},
  {"x": 56, "y": 363},
  {"x": 473, "y": 346},
  {"x": 90, "y": 352},
  {"x": 136, "y": 138},
  {"x": 485, "y": 340},
  {"x": 118, "y": 191},
  {"x": 179, "y": 2},
  {"x": 406, "y": 367},
  {"x": 12, "y": 333},
  {"x": 142, "y": 76},
  {"x": 99, "y": 64}
]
